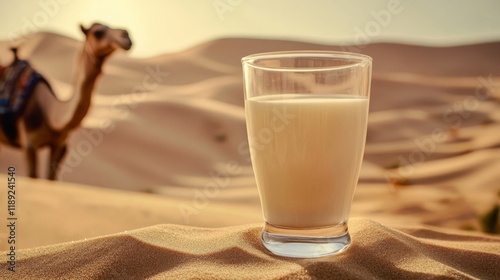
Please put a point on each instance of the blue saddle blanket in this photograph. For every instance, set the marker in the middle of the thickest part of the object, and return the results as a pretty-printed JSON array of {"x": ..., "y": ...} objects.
[
  {"x": 16, "y": 86},
  {"x": 17, "y": 82}
]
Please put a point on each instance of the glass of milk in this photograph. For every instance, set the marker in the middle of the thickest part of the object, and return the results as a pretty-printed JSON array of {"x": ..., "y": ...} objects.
[{"x": 306, "y": 114}]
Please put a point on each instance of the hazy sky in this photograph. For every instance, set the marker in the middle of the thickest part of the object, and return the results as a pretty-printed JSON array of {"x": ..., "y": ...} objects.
[{"x": 158, "y": 26}]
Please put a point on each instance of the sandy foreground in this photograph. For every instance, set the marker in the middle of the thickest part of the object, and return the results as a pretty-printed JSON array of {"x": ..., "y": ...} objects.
[{"x": 167, "y": 189}]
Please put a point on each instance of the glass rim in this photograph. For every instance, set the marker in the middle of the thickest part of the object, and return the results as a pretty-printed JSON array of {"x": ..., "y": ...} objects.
[{"x": 251, "y": 59}]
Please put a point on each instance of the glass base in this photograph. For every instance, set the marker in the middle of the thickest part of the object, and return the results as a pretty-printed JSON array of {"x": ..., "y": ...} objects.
[{"x": 306, "y": 243}]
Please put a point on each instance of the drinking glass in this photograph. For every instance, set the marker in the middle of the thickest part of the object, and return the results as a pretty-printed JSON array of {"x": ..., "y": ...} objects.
[{"x": 306, "y": 114}]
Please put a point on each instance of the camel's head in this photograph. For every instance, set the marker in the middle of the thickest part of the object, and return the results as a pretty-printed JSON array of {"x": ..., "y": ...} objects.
[{"x": 104, "y": 40}]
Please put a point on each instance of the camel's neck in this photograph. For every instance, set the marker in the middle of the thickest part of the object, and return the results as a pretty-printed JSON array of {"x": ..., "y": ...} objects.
[{"x": 87, "y": 76}]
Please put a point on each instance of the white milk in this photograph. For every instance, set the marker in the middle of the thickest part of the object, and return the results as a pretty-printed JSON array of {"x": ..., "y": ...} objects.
[{"x": 306, "y": 153}]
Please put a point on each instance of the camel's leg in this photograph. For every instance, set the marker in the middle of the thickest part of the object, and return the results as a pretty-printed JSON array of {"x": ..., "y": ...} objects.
[
  {"x": 32, "y": 162},
  {"x": 56, "y": 155}
]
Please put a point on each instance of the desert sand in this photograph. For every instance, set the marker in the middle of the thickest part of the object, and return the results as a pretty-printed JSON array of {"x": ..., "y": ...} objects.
[{"x": 167, "y": 190}]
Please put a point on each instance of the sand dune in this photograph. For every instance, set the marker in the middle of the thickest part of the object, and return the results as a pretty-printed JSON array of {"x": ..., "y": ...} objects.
[
  {"x": 172, "y": 251},
  {"x": 175, "y": 152}
]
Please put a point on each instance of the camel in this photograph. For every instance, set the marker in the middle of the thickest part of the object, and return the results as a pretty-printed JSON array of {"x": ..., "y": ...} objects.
[{"x": 43, "y": 120}]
